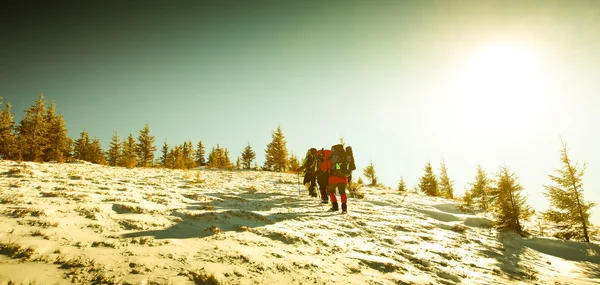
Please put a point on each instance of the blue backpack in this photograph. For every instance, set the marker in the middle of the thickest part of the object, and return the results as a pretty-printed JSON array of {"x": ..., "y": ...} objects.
[{"x": 341, "y": 161}]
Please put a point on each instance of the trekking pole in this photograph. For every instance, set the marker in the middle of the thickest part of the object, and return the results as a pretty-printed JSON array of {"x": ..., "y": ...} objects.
[{"x": 298, "y": 184}]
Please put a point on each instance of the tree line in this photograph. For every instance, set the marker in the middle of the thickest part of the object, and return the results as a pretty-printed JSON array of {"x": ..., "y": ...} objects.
[
  {"x": 41, "y": 136},
  {"x": 501, "y": 195}
]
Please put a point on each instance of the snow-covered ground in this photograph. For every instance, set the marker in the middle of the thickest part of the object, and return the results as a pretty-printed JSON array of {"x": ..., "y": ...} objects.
[{"x": 85, "y": 223}]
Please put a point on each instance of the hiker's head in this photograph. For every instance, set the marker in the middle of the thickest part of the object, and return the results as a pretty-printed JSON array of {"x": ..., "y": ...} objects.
[{"x": 313, "y": 151}]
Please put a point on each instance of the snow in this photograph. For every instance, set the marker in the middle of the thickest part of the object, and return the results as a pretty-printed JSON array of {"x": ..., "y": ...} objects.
[{"x": 85, "y": 223}]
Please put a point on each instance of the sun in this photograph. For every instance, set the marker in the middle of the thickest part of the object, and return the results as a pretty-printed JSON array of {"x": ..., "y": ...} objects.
[{"x": 499, "y": 88}]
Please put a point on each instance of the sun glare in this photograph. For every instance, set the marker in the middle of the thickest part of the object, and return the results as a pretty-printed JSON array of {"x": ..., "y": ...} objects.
[{"x": 500, "y": 88}]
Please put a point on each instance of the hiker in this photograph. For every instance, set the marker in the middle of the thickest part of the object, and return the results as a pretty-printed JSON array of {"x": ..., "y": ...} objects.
[
  {"x": 309, "y": 165},
  {"x": 322, "y": 176},
  {"x": 337, "y": 164}
]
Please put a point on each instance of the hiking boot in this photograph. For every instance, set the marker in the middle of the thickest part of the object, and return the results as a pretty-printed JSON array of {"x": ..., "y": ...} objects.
[
  {"x": 344, "y": 208},
  {"x": 334, "y": 207},
  {"x": 324, "y": 202}
]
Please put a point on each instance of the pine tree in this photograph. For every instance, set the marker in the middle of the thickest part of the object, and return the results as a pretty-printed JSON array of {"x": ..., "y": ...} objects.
[
  {"x": 369, "y": 173},
  {"x": 129, "y": 156},
  {"x": 294, "y": 162},
  {"x": 164, "y": 159},
  {"x": 429, "y": 183},
  {"x": 81, "y": 149},
  {"x": 114, "y": 152},
  {"x": 199, "y": 154},
  {"x": 276, "y": 154},
  {"x": 479, "y": 193},
  {"x": 32, "y": 132},
  {"x": 8, "y": 143},
  {"x": 96, "y": 153},
  {"x": 402, "y": 185},
  {"x": 188, "y": 153},
  {"x": 507, "y": 203},
  {"x": 145, "y": 147},
  {"x": 225, "y": 161},
  {"x": 177, "y": 156},
  {"x": 58, "y": 143},
  {"x": 445, "y": 186},
  {"x": 213, "y": 157},
  {"x": 248, "y": 155},
  {"x": 568, "y": 208}
]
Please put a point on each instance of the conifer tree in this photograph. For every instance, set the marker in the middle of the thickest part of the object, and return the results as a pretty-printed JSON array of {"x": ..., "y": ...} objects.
[
  {"x": 248, "y": 155},
  {"x": 238, "y": 163},
  {"x": 114, "y": 152},
  {"x": 199, "y": 154},
  {"x": 81, "y": 149},
  {"x": 479, "y": 193},
  {"x": 177, "y": 156},
  {"x": 428, "y": 183},
  {"x": 276, "y": 154},
  {"x": 225, "y": 160},
  {"x": 58, "y": 141},
  {"x": 96, "y": 153},
  {"x": 164, "y": 159},
  {"x": 402, "y": 185},
  {"x": 369, "y": 173},
  {"x": 8, "y": 143},
  {"x": 507, "y": 203},
  {"x": 32, "y": 132},
  {"x": 294, "y": 162},
  {"x": 446, "y": 188},
  {"x": 145, "y": 147},
  {"x": 188, "y": 155},
  {"x": 568, "y": 208},
  {"x": 129, "y": 156}
]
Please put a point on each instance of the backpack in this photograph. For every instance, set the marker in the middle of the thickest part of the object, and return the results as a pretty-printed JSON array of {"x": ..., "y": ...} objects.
[
  {"x": 350, "y": 153},
  {"x": 340, "y": 161},
  {"x": 312, "y": 161}
]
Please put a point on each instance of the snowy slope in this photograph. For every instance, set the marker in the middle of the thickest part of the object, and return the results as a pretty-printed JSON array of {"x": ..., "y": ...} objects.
[{"x": 84, "y": 223}]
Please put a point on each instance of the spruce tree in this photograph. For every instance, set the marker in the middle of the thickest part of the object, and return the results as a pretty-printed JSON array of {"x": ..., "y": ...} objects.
[
  {"x": 96, "y": 153},
  {"x": 114, "y": 151},
  {"x": 294, "y": 162},
  {"x": 402, "y": 185},
  {"x": 276, "y": 154},
  {"x": 177, "y": 154},
  {"x": 199, "y": 154},
  {"x": 225, "y": 160},
  {"x": 248, "y": 155},
  {"x": 32, "y": 132},
  {"x": 369, "y": 173},
  {"x": 129, "y": 156},
  {"x": 507, "y": 203},
  {"x": 188, "y": 155},
  {"x": 428, "y": 182},
  {"x": 164, "y": 159},
  {"x": 446, "y": 188},
  {"x": 8, "y": 143},
  {"x": 58, "y": 143},
  {"x": 568, "y": 208},
  {"x": 81, "y": 149},
  {"x": 145, "y": 147},
  {"x": 479, "y": 193}
]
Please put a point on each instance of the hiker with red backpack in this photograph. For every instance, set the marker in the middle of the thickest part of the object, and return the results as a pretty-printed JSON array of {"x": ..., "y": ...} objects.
[
  {"x": 309, "y": 165},
  {"x": 338, "y": 164}
]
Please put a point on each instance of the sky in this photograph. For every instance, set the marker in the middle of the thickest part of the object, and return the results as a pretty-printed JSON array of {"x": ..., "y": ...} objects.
[{"x": 403, "y": 82}]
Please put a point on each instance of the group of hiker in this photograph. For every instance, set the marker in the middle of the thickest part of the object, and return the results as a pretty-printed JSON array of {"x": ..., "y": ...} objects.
[{"x": 332, "y": 170}]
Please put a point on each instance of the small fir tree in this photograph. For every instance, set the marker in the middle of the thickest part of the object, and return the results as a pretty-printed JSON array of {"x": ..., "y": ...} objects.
[
  {"x": 479, "y": 193},
  {"x": 81, "y": 149},
  {"x": 276, "y": 154},
  {"x": 32, "y": 132},
  {"x": 114, "y": 151},
  {"x": 428, "y": 182},
  {"x": 164, "y": 159},
  {"x": 248, "y": 155},
  {"x": 8, "y": 142},
  {"x": 129, "y": 156},
  {"x": 369, "y": 173},
  {"x": 402, "y": 185},
  {"x": 199, "y": 154},
  {"x": 294, "y": 162},
  {"x": 58, "y": 142},
  {"x": 188, "y": 155},
  {"x": 508, "y": 204},
  {"x": 96, "y": 152},
  {"x": 145, "y": 147},
  {"x": 568, "y": 208},
  {"x": 446, "y": 184}
]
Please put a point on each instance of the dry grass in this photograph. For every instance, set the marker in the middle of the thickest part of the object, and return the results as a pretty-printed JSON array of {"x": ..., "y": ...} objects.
[
  {"x": 356, "y": 191},
  {"x": 214, "y": 229},
  {"x": 22, "y": 212},
  {"x": 15, "y": 250},
  {"x": 89, "y": 213},
  {"x": 201, "y": 277}
]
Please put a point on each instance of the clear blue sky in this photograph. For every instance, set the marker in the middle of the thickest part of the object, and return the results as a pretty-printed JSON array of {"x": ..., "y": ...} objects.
[{"x": 404, "y": 83}]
